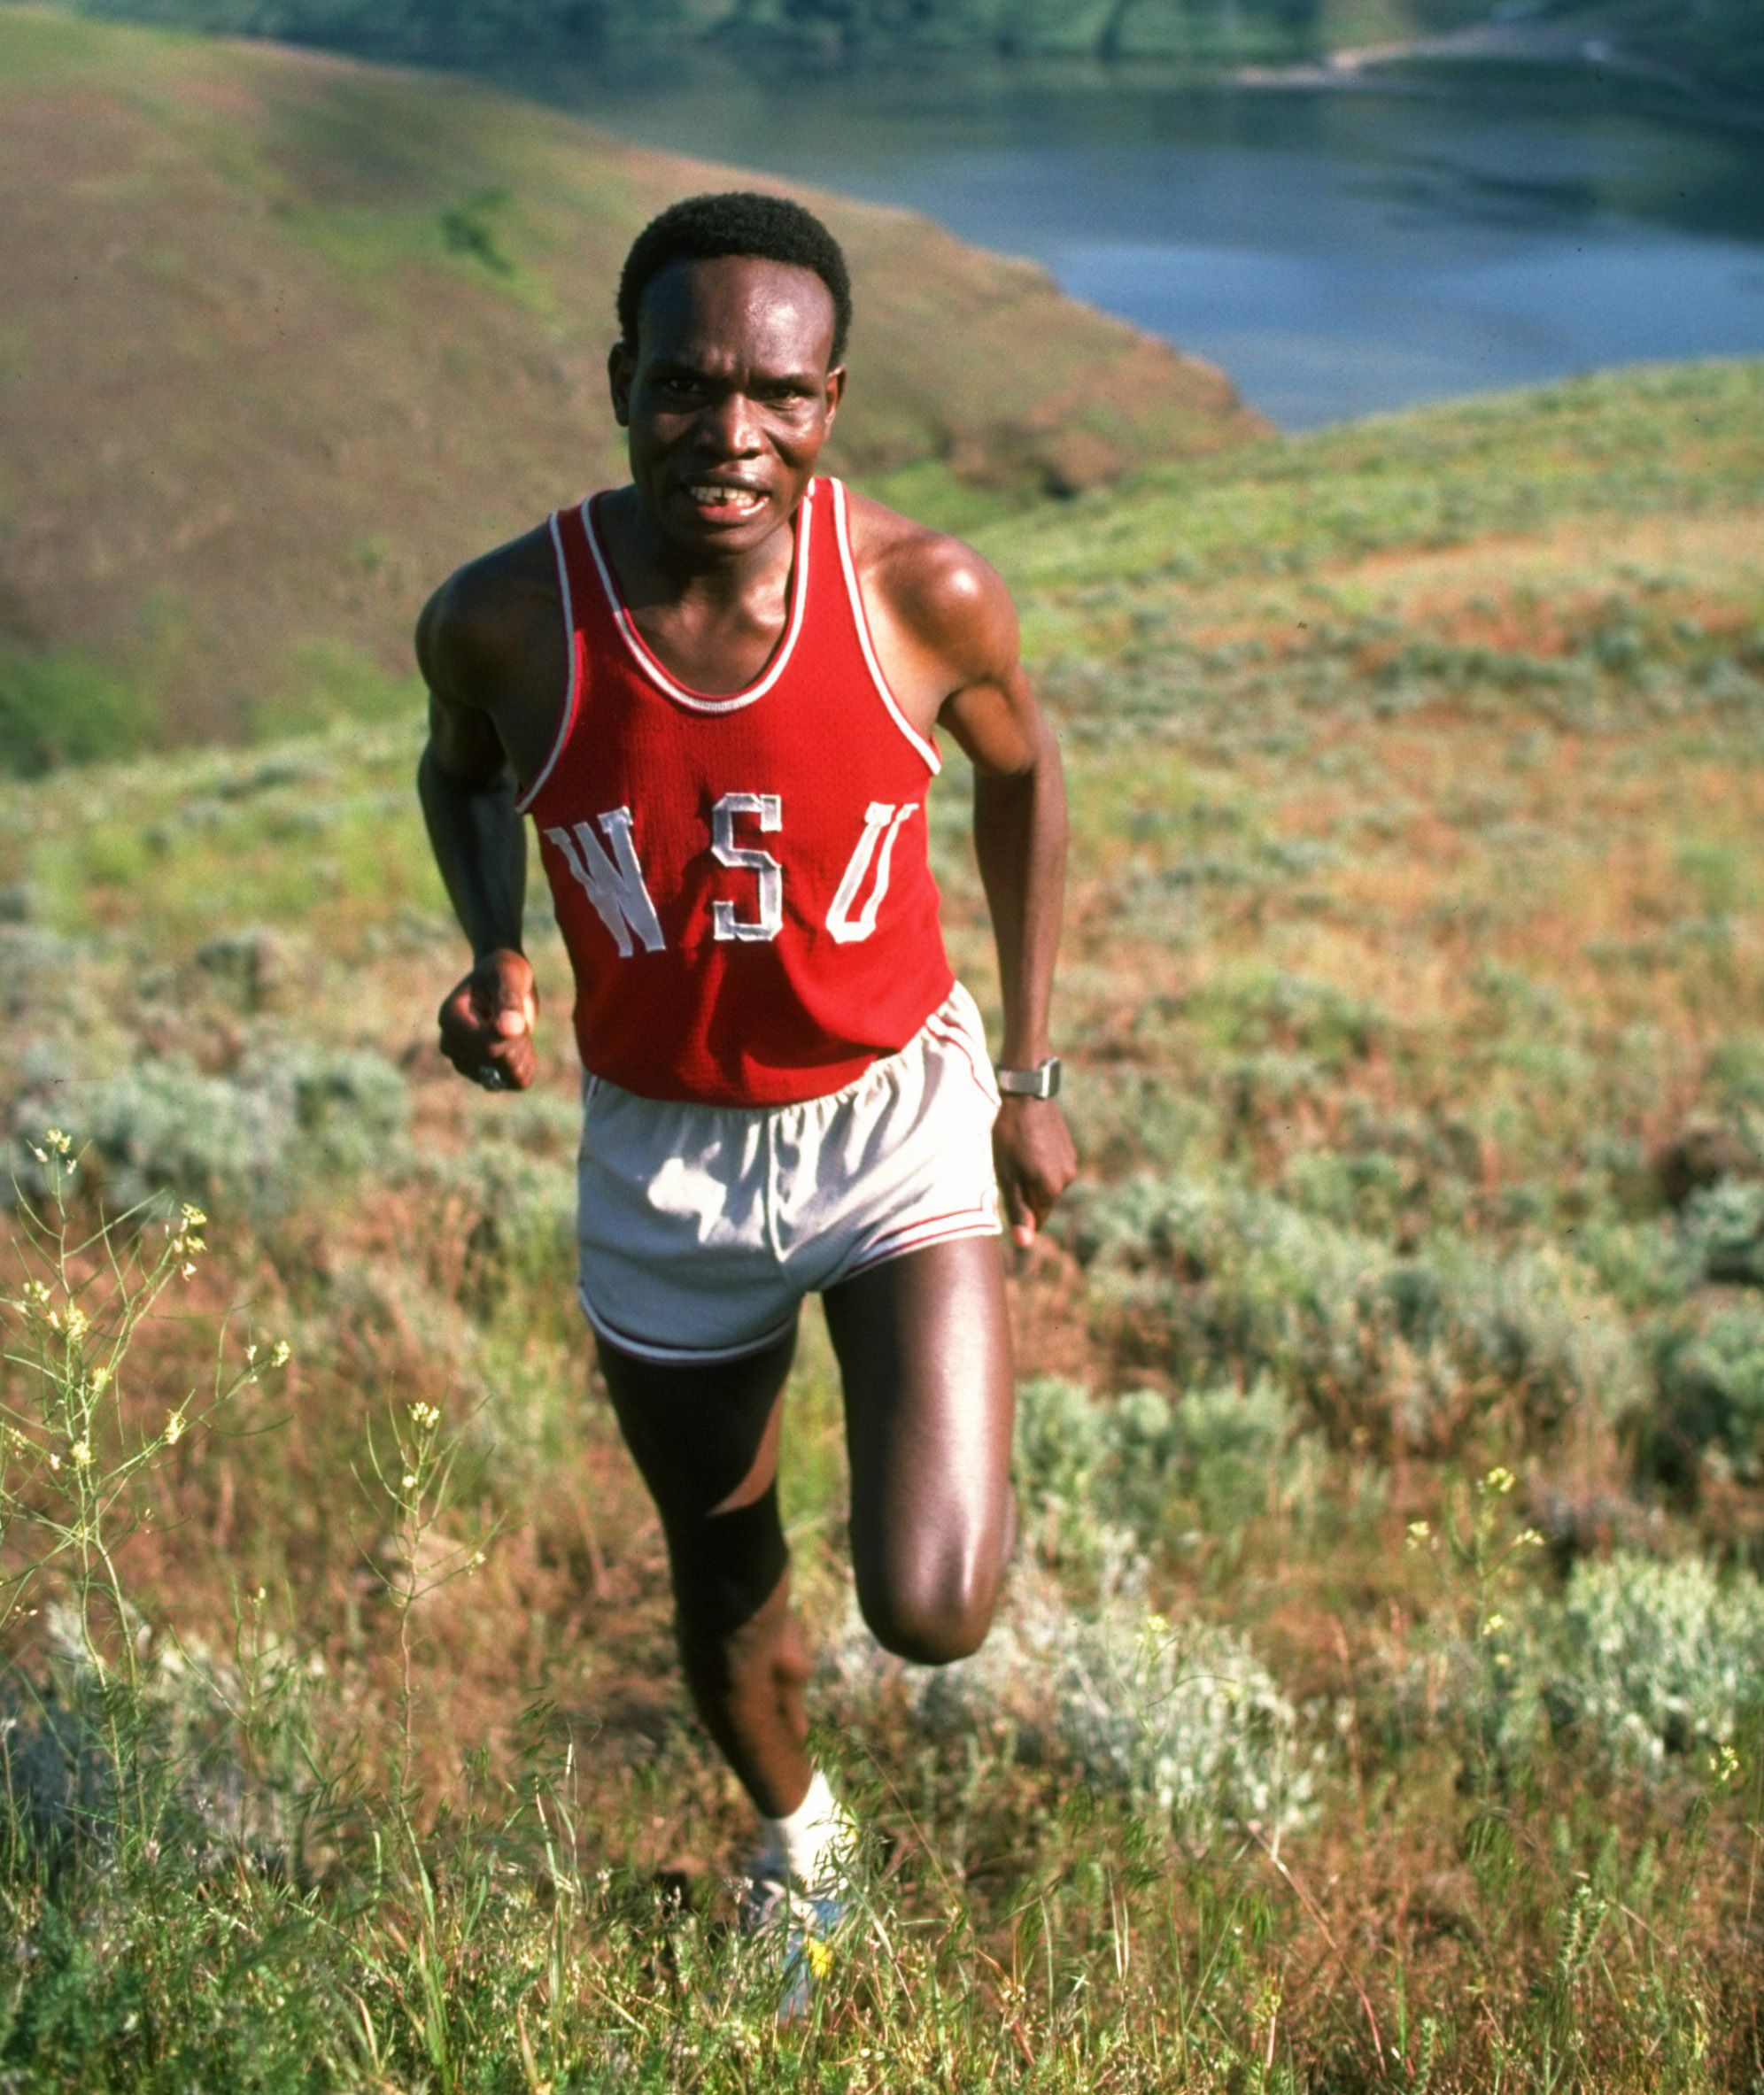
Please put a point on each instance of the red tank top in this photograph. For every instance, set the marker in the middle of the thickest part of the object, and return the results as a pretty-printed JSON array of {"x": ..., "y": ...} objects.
[{"x": 742, "y": 881}]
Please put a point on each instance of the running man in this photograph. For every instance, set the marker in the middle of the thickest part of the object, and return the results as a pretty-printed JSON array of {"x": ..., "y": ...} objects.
[{"x": 716, "y": 691}]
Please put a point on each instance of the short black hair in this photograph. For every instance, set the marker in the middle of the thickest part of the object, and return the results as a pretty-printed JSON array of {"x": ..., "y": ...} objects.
[{"x": 735, "y": 222}]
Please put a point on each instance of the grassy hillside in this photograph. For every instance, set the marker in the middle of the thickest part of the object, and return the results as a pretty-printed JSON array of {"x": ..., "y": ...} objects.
[
  {"x": 1377, "y": 1704},
  {"x": 286, "y": 338}
]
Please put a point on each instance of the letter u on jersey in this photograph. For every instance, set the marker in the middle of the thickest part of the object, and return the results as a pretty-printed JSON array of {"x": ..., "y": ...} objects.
[{"x": 613, "y": 882}]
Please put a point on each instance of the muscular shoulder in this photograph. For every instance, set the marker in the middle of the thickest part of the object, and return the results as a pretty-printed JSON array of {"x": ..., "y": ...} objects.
[
  {"x": 954, "y": 603},
  {"x": 478, "y": 632}
]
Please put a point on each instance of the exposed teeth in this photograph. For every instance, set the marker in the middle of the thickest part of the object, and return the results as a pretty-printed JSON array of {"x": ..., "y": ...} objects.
[{"x": 708, "y": 496}]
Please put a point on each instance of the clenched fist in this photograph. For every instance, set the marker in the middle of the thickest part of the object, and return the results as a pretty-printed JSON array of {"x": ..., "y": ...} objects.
[
  {"x": 487, "y": 1023},
  {"x": 1036, "y": 1160}
]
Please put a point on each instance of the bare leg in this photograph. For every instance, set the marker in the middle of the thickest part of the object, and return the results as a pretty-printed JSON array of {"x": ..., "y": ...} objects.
[
  {"x": 923, "y": 1344},
  {"x": 705, "y": 1440}
]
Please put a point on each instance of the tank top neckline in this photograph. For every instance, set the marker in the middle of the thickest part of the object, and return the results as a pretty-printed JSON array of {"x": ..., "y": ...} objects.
[{"x": 657, "y": 671}]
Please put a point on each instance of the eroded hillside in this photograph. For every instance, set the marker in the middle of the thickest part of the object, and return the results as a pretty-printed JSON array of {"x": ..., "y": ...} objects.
[{"x": 289, "y": 336}]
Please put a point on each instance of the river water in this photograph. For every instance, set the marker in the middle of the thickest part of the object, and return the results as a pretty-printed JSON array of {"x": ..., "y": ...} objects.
[{"x": 1337, "y": 252}]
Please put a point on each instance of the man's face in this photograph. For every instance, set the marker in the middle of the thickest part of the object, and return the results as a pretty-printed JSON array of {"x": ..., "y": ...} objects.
[{"x": 728, "y": 398}]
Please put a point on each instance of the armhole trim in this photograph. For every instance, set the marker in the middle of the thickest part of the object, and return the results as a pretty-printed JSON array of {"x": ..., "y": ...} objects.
[
  {"x": 861, "y": 620},
  {"x": 572, "y": 699}
]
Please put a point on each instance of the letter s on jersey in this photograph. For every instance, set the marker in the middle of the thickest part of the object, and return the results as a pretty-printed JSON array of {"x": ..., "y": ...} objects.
[
  {"x": 727, "y": 852},
  {"x": 617, "y": 887}
]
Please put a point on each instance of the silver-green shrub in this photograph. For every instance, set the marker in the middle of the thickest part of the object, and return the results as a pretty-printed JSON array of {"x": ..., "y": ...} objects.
[
  {"x": 1710, "y": 1403},
  {"x": 1725, "y": 1228},
  {"x": 520, "y": 1221},
  {"x": 1183, "y": 1720},
  {"x": 1062, "y": 1446},
  {"x": 162, "y": 1127},
  {"x": 1234, "y": 1451},
  {"x": 1097, "y": 1476},
  {"x": 285, "y": 1115},
  {"x": 1642, "y": 1659},
  {"x": 1241, "y": 1282},
  {"x": 1180, "y": 1719}
]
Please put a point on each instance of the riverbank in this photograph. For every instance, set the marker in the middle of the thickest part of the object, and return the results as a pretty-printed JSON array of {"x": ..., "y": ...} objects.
[{"x": 1497, "y": 50}]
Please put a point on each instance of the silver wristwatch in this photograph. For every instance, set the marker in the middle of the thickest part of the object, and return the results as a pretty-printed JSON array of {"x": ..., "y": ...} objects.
[{"x": 1041, "y": 1082}]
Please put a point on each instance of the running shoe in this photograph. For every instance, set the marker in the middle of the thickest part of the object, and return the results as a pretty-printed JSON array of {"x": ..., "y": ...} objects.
[{"x": 804, "y": 1926}]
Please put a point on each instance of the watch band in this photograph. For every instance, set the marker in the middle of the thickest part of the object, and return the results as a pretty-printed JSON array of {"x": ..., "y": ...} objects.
[{"x": 1041, "y": 1082}]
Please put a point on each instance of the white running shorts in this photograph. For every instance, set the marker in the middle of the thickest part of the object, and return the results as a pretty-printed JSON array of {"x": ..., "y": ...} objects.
[{"x": 702, "y": 1227}]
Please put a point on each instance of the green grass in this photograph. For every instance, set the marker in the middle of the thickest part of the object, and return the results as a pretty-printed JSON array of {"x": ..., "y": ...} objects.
[{"x": 1411, "y": 1001}]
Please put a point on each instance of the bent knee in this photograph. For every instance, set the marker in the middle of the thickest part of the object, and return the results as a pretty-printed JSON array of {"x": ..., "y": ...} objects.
[{"x": 930, "y": 1623}]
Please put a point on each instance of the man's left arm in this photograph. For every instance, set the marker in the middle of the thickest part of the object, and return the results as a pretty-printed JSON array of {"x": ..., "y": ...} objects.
[{"x": 1020, "y": 842}]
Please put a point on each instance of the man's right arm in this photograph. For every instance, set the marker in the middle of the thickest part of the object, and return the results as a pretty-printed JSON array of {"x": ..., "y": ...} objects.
[{"x": 468, "y": 788}]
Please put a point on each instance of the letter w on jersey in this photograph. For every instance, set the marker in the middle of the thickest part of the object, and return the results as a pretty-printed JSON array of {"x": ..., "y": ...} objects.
[{"x": 615, "y": 885}]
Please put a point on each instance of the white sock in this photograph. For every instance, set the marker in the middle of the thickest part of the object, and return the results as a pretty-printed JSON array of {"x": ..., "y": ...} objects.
[{"x": 812, "y": 1847}]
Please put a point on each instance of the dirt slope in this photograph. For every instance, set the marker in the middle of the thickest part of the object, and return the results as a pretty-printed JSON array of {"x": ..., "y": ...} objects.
[{"x": 284, "y": 337}]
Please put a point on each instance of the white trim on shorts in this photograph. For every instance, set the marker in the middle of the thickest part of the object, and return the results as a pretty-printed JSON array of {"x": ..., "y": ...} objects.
[{"x": 918, "y": 1236}]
